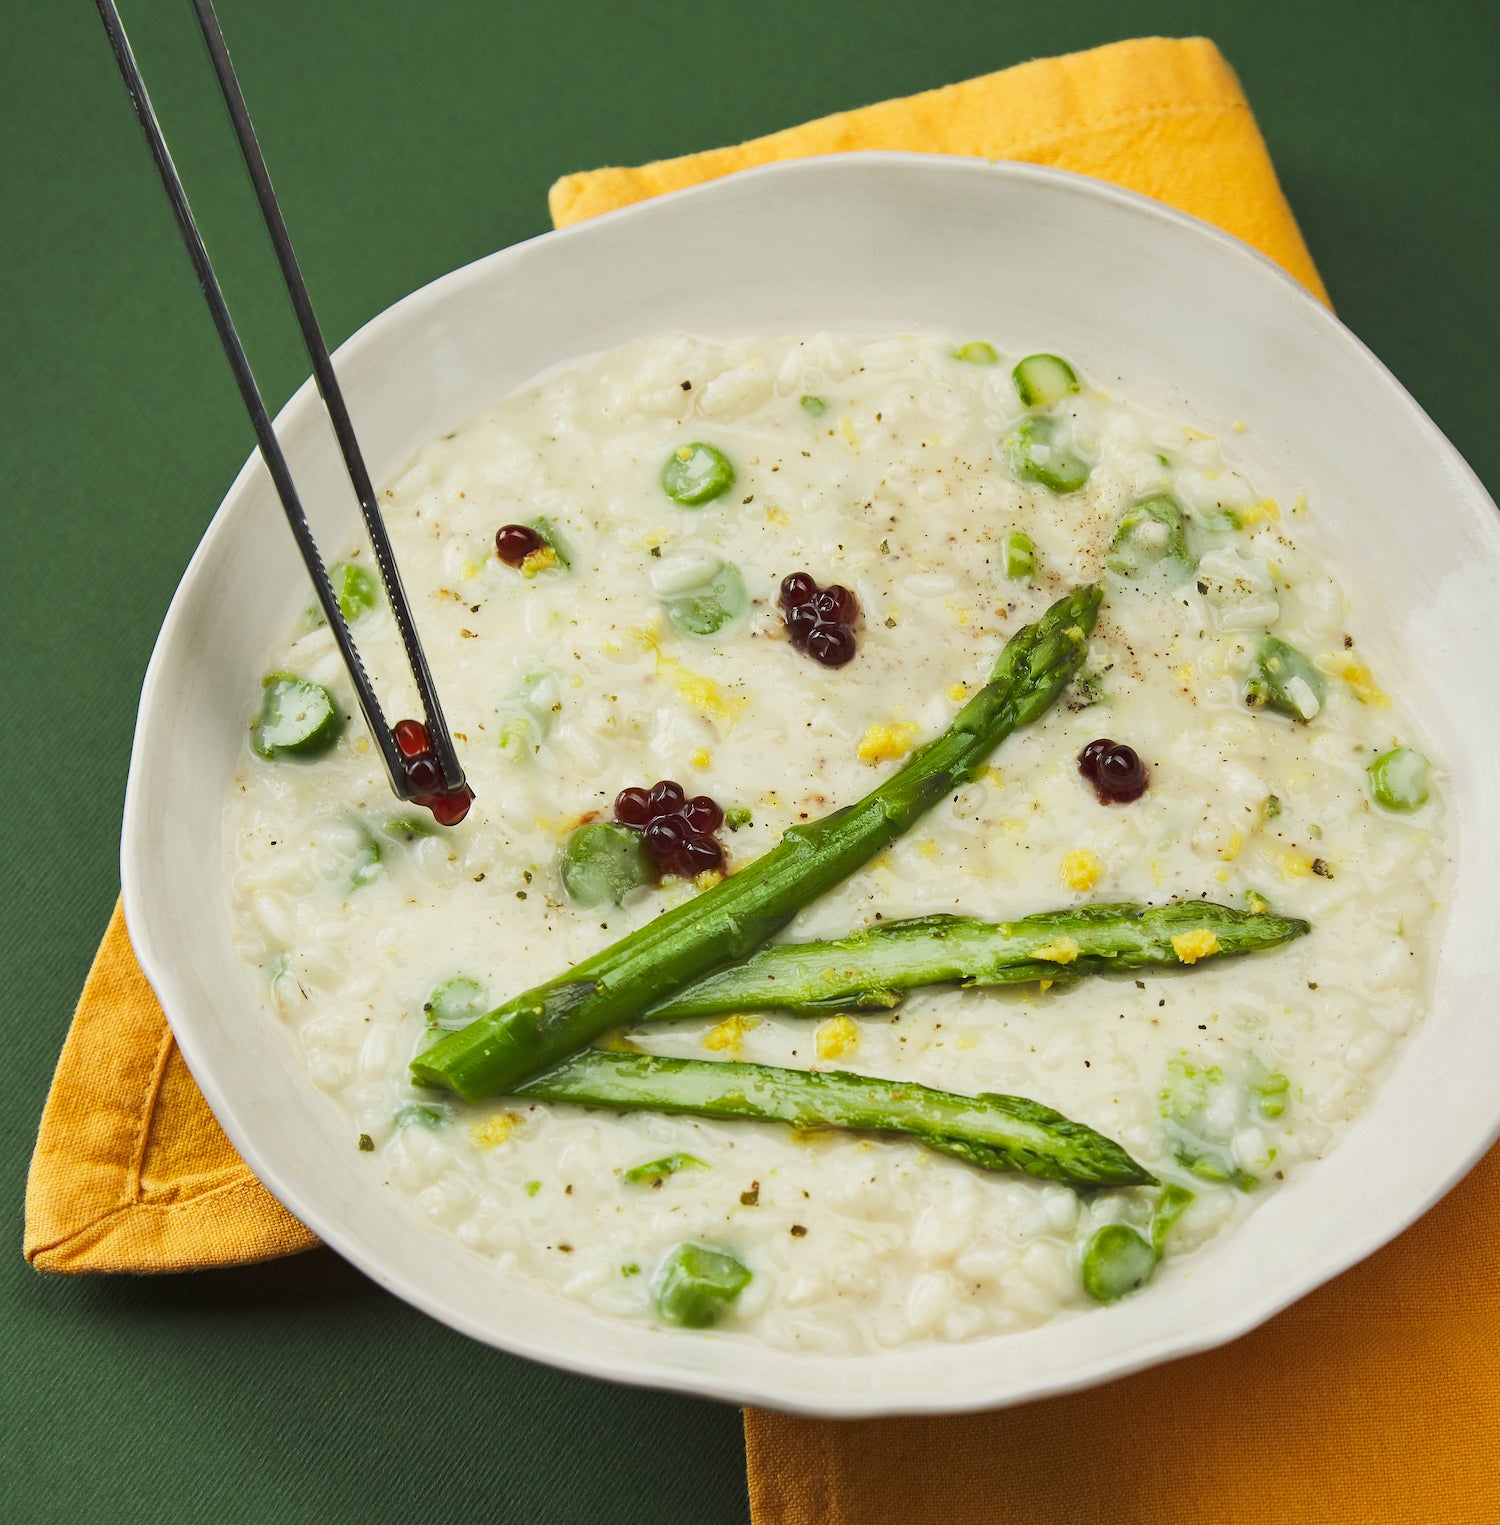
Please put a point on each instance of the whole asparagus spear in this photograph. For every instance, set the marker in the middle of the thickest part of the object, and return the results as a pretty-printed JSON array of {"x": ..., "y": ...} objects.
[
  {"x": 540, "y": 1027},
  {"x": 874, "y": 967},
  {"x": 992, "y": 1132}
]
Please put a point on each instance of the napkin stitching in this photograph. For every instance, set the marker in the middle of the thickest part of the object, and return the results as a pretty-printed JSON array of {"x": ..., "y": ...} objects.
[
  {"x": 147, "y": 1113},
  {"x": 1138, "y": 114}
]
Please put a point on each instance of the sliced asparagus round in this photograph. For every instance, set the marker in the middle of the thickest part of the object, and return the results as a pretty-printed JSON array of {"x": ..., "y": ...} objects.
[{"x": 1042, "y": 380}]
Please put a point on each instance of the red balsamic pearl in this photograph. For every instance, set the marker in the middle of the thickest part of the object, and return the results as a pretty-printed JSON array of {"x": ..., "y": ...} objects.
[
  {"x": 424, "y": 776},
  {"x": 832, "y": 645},
  {"x": 666, "y": 798},
  {"x": 665, "y": 836},
  {"x": 1088, "y": 759},
  {"x": 450, "y": 809},
  {"x": 800, "y": 623},
  {"x": 697, "y": 855},
  {"x": 633, "y": 807},
  {"x": 515, "y": 542},
  {"x": 836, "y": 605},
  {"x": 1115, "y": 770},
  {"x": 796, "y": 590},
  {"x": 703, "y": 815},
  {"x": 411, "y": 737}
]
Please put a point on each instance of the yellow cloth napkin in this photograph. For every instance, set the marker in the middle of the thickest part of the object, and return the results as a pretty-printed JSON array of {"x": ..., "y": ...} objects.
[
  {"x": 1376, "y": 1399},
  {"x": 131, "y": 1171}
]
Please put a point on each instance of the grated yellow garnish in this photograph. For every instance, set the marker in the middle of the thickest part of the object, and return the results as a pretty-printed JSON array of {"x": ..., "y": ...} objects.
[
  {"x": 846, "y": 428},
  {"x": 1240, "y": 426},
  {"x": 1044, "y": 985},
  {"x": 995, "y": 776},
  {"x": 494, "y": 1130},
  {"x": 361, "y": 744},
  {"x": 1184, "y": 674},
  {"x": 702, "y": 693},
  {"x": 1231, "y": 849},
  {"x": 728, "y": 1037},
  {"x": 1267, "y": 508},
  {"x": 541, "y": 560},
  {"x": 776, "y": 515},
  {"x": 1300, "y": 505},
  {"x": 684, "y": 453},
  {"x": 1061, "y": 950},
  {"x": 1080, "y": 869},
  {"x": 708, "y": 879},
  {"x": 1222, "y": 875},
  {"x": 959, "y": 692},
  {"x": 882, "y": 743},
  {"x": 470, "y": 569},
  {"x": 928, "y": 849},
  {"x": 1191, "y": 946},
  {"x": 700, "y": 758},
  {"x": 1361, "y": 681},
  {"x": 618, "y": 1043},
  {"x": 837, "y": 1038},
  {"x": 1293, "y": 865},
  {"x": 576, "y": 681},
  {"x": 647, "y": 637},
  {"x": 1155, "y": 867}
]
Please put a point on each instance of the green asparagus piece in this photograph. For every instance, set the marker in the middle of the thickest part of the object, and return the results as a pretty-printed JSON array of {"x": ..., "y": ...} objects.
[
  {"x": 668, "y": 1164},
  {"x": 539, "y": 1028},
  {"x": 874, "y": 967},
  {"x": 993, "y": 1132},
  {"x": 1119, "y": 1260},
  {"x": 1116, "y": 1262},
  {"x": 695, "y": 1286}
]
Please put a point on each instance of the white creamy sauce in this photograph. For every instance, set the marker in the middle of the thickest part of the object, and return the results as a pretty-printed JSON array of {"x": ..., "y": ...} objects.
[{"x": 565, "y": 687}]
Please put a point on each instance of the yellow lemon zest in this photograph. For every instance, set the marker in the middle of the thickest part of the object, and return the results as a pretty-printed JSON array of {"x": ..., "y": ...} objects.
[
  {"x": 1294, "y": 865},
  {"x": 883, "y": 743},
  {"x": 1267, "y": 508},
  {"x": 1191, "y": 946},
  {"x": 469, "y": 569},
  {"x": 1231, "y": 849},
  {"x": 494, "y": 1130},
  {"x": 837, "y": 1037},
  {"x": 1080, "y": 869},
  {"x": 1061, "y": 950},
  {"x": 846, "y": 428},
  {"x": 776, "y": 515},
  {"x": 1361, "y": 681},
  {"x": 541, "y": 560},
  {"x": 959, "y": 692},
  {"x": 729, "y": 1036},
  {"x": 700, "y": 759},
  {"x": 703, "y": 694},
  {"x": 708, "y": 879}
]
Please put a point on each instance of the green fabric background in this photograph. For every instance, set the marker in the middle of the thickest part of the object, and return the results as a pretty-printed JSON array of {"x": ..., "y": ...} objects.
[{"x": 406, "y": 140}]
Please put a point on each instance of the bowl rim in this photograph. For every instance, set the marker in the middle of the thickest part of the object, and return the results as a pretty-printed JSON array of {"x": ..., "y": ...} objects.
[{"x": 715, "y": 1380}]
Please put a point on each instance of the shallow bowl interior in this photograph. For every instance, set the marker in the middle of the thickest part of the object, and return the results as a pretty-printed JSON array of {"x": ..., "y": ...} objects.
[{"x": 1177, "y": 314}]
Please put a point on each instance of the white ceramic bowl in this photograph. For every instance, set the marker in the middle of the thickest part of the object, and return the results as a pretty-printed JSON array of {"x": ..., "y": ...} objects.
[{"x": 1187, "y": 319}]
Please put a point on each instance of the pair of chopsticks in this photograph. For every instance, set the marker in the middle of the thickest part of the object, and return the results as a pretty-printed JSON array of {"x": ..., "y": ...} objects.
[{"x": 439, "y": 738}]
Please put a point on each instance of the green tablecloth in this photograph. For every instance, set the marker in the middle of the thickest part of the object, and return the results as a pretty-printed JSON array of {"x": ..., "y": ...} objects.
[{"x": 406, "y": 140}]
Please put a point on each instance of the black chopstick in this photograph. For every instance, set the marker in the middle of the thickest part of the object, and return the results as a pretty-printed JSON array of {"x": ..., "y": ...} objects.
[{"x": 439, "y": 738}]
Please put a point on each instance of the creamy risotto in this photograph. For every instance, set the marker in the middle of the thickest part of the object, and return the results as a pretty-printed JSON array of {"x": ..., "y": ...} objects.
[{"x": 641, "y": 639}]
